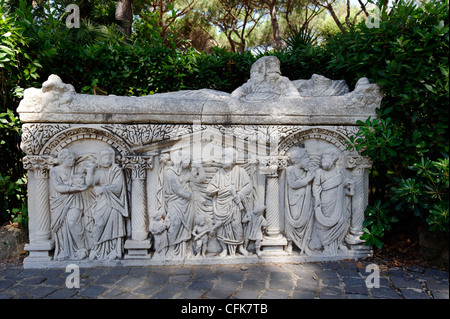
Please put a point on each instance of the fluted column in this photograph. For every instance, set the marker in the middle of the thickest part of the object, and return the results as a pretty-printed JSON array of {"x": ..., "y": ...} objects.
[
  {"x": 138, "y": 246},
  {"x": 41, "y": 243}
]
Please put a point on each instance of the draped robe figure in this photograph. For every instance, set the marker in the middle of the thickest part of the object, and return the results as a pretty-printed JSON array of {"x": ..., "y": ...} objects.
[
  {"x": 330, "y": 189},
  {"x": 230, "y": 187},
  {"x": 299, "y": 207},
  {"x": 109, "y": 209},
  {"x": 179, "y": 202},
  {"x": 66, "y": 205}
]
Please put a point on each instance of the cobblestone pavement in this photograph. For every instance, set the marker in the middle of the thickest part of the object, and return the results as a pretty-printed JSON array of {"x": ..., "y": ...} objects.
[{"x": 327, "y": 280}]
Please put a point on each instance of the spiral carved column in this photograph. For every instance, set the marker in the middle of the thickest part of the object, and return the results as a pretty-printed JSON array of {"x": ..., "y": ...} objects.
[
  {"x": 273, "y": 242},
  {"x": 360, "y": 173},
  {"x": 272, "y": 206},
  {"x": 138, "y": 246}
]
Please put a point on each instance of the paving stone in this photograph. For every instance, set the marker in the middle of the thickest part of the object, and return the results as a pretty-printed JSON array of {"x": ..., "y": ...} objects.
[
  {"x": 126, "y": 295},
  {"x": 318, "y": 280},
  {"x": 330, "y": 281},
  {"x": 359, "y": 290},
  {"x": 20, "y": 289},
  {"x": 40, "y": 292},
  {"x": 331, "y": 296},
  {"x": 6, "y": 283},
  {"x": 274, "y": 276},
  {"x": 254, "y": 284},
  {"x": 33, "y": 281},
  {"x": 303, "y": 295},
  {"x": 179, "y": 278},
  {"x": 147, "y": 290},
  {"x": 30, "y": 273},
  {"x": 177, "y": 270},
  {"x": 385, "y": 293},
  {"x": 103, "y": 280},
  {"x": 354, "y": 281},
  {"x": 62, "y": 294},
  {"x": 192, "y": 294},
  {"x": 437, "y": 286},
  {"x": 139, "y": 272},
  {"x": 414, "y": 294},
  {"x": 55, "y": 282},
  {"x": 10, "y": 273},
  {"x": 232, "y": 276},
  {"x": 357, "y": 296},
  {"x": 307, "y": 285},
  {"x": 437, "y": 273},
  {"x": 94, "y": 272},
  {"x": 113, "y": 293},
  {"x": 6, "y": 296},
  {"x": 164, "y": 294},
  {"x": 281, "y": 284},
  {"x": 129, "y": 282},
  {"x": 201, "y": 285},
  {"x": 440, "y": 295},
  {"x": 405, "y": 282},
  {"x": 326, "y": 274},
  {"x": 331, "y": 290},
  {"x": 92, "y": 291},
  {"x": 119, "y": 271},
  {"x": 274, "y": 294},
  {"x": 51, "y": 273},
  {"x": 247, "y": 294},
  {"x": 220, "y": 294},
  {"x": 157, "y": 278},
  {"x": 205, "y": 275}
]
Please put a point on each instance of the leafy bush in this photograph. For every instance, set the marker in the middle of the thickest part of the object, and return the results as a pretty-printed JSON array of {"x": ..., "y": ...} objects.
[
  {"x": 407, "y": 55},
  {"x": 408, "y": 142}
]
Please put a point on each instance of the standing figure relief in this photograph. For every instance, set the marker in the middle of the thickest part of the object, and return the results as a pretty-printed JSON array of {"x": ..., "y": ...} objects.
[
  {"x": 88, "y": 206},
  {"x": 317, "y": 203}
]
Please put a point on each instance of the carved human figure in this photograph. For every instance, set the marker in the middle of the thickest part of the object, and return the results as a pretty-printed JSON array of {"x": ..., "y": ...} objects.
[
  {"x": 158, "y": 227},
  {"x": 299, "y": 215},
  {"x": 179, "y": 201},
  {"x": 66, "y": 206},
  {"x": 266, "y": 82},
  {"x": 230, "y": 188},
  {"x": 200, "y": 233},
  {"x": 109, "y": 208},
  {"x": 330, "y": 188},
  {"x": 256, "y": 223}
]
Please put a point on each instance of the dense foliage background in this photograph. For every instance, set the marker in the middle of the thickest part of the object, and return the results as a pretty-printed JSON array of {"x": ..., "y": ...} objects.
[{"x": 406, "y": 54}]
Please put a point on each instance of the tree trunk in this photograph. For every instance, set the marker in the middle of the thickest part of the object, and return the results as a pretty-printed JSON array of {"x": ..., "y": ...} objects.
[
  {"x": 124, "y": 15},
  {"x": 335, "y": 18},
  {"x": 275, "y": 26}
]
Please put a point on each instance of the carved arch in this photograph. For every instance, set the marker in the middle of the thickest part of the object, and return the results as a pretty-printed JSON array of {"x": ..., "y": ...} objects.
[
  {"x": 337, "y": 139},
  {"x": 65, "y": 137}
]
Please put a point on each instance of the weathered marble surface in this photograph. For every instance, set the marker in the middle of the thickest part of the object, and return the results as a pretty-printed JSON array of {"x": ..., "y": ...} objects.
[{"x": 197, "y": 176}]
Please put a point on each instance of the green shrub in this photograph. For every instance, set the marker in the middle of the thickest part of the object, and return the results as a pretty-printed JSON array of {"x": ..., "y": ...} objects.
[
  {"x": 408, "y": 142},
  {"x": 407, "y": 56}
]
